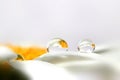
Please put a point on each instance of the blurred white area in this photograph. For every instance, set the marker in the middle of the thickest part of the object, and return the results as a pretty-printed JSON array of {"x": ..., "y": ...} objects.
[
  {"x": 37, "y": 70},
  {"x": 38, "y": 21},
  {"x": 7, "y": 54}
]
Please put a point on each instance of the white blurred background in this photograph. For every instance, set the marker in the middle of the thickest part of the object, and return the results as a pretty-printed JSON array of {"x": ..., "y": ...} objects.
[{"x": 38, "y": 21}]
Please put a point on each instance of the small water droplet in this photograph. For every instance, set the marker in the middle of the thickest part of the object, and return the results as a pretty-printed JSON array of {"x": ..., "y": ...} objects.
[
  {"x": 86, "y": 46},
  {"x": 57, "y": 44}
]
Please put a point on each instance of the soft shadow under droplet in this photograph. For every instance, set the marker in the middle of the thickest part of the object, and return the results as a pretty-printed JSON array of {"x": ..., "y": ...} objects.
[{"x": 103, "y": 50}]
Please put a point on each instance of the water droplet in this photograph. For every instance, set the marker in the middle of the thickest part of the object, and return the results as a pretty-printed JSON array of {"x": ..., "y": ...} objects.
[
  {"x": 57, "y": 44},
  {"x": 86, "y": 46}
]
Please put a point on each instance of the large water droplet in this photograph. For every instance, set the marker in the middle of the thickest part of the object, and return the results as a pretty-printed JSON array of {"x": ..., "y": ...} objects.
[
  {"x": 86, "y": 46},
  {"x": 57, "y": 44}
]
